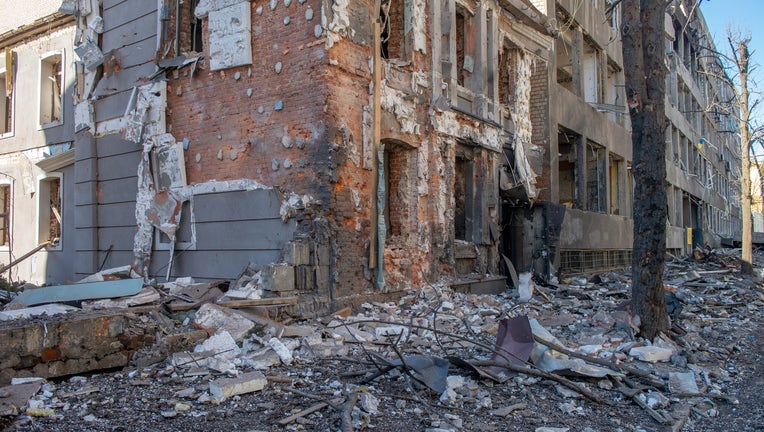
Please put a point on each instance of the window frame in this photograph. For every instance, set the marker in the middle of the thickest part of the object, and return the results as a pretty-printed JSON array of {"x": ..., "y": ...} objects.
[
  {"x": 9, "y": 183},
  {"x": 40, "y": 207},
  {"x": 43, "y": 60}
]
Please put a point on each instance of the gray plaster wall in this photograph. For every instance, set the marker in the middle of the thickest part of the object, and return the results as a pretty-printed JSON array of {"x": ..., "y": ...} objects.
[
  {"x": 107, "y": 166},
  {"x": 231, "y": 230},
  {"x": 588, "y": 230}
]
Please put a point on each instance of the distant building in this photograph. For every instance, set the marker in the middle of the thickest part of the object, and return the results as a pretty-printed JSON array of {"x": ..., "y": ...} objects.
[{"x": 36, "y": 140}]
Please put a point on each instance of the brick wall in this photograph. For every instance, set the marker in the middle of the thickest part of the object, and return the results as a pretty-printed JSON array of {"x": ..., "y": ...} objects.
[{"x": 254, "y": 121}]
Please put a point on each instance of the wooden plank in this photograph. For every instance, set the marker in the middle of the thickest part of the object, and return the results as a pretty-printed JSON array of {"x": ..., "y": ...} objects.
[{"x": 272, "y": 301}]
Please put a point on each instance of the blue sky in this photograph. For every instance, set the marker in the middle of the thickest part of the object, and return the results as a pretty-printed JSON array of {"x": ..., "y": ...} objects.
[{"x": 748, "y": 15}]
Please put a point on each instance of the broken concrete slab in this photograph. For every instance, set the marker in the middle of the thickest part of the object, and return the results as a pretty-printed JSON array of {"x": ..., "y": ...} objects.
[
  {"x": 49, "y": 309},
  {"x": 683, "y": 383},
  {"x": 213, "y": 318},
  {"x": 224, "y": 388},
  {"x": 146, "y": 296},
  {"x": 15, "y": 397},
  {"x": 78, "y": 292}
]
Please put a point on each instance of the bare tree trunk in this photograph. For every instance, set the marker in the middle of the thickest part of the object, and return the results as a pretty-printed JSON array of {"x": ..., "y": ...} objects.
[
  {"x": 741, "y": 58},
  {"x": 644, "y": 53}
]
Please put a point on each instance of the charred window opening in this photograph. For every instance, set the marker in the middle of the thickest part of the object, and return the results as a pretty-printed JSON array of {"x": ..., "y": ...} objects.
[
  {"x": 51, "y": 89},
  {"x": 508, "y": 73},
  {"x": 50, "y": 210},
  {"x": 592, "y": 72},
  {"x": 465, "y": 55},
  {"x": 463, "y": 193},
  {"x": 391, "y": 16},
  {"x": 566, "y": 143},
  {"x": 595, "y": 177},
  {"x": 5, "y": 214},
  {"x": 400, "y": 175},
  {"x": 189, "y": 28}
]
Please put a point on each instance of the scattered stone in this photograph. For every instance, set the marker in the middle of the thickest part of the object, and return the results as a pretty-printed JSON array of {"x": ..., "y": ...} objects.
[
  {"x": 683, "y": 383},
  {"x": 509, "y": 409},
  {"x": 368, "y": 402}
]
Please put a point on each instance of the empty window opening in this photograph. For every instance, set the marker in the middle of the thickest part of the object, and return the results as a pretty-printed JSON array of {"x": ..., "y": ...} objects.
[
  {"x": 616, "y": 165},
  {"x": 566, "y": 144},
  {"x": 508, "y": 59},
  {"x": 51, "y": 90},
  {"x": 50, "y": 210},
  {"x": 595, "y": 177},
  {"x": 6, "y": 104},
  {"x": 400, "y": 175},
  {"x": 564, "y": 50},
  {"x": 461, "y": 63},
  {"x": 391, "y": 16},
  {"x": 463, "y": 194},
  {"x": 592, "y": 72},
  {"x": 5, "y": 214}
]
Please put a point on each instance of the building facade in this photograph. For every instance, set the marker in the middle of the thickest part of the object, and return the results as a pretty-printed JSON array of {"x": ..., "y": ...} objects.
[
  {"x": 348, "y": 149},
  {"x": 36, "y": 141}
]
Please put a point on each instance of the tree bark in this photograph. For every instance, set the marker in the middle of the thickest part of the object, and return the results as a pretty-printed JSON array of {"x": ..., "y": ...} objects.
[
  {"x": 644, "y": 53},
  {"x": 742, "y": 58}
]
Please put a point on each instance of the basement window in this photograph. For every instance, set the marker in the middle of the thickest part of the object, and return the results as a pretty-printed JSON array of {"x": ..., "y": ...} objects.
[
  {"x": 51, "y": 91},
  {"x": 6, "y": 105},
  {"x": 50, "y": 210},
  {"x": 5, "y": 215}
]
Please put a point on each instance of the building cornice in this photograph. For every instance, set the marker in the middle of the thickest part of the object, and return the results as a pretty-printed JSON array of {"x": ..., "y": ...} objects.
[{"x": 35, "y": 29}]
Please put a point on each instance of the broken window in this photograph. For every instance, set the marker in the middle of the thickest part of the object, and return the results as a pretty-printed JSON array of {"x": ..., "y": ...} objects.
[
  {"x": 50, "y": 209},
  {"x": 613, "y": 13},
  {"x": 595, "y": 177},
  {"x": 190, "y": 28},
  {"x": 463, "y": 193},
  {"x": 51, "y": 88},
  {"x": 5, "y": 214},
  {"x": 400, "y": 175},
  {"x": 391, "y": 15},
  {"x": 6, "y": 104}
]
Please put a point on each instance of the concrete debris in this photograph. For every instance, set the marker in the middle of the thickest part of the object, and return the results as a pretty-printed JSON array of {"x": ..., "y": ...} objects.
[
  {"x": 224, "y": 388},
  {"x": 49, "y": 309},
  {"x": 651, "y": 354},
  {"x": 570, "y": 345},
  {"x": 214, "y": 318}
]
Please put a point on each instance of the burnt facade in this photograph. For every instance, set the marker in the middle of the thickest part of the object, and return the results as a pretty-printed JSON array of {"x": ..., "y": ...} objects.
[{"x": 349, "y": 149}]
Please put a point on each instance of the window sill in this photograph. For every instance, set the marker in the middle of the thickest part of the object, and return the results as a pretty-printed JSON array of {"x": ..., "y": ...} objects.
[{"x": 49, "y": 125}]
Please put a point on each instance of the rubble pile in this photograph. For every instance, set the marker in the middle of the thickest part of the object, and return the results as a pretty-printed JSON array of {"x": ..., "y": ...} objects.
[{"x": 568, "y": 358}]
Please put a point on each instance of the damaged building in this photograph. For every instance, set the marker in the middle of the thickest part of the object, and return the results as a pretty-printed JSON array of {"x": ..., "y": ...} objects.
[
  {"x": 348, "y": 149},
  {"x": 36, "y": 142}
]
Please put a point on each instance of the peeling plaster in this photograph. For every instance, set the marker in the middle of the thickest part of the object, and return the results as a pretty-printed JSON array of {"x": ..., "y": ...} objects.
[
  {"x": 293, "y": 202},
  {"x": 485, "y": 135},
  {"x": 423, "y": 169},
  {"x": 418, "y": 25},
  {"x": 347, "y": 141},
  {"x": 405, "y": 112},
  {"x": 521, "y": 116},
  {"x": 339, "y": 27}
]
